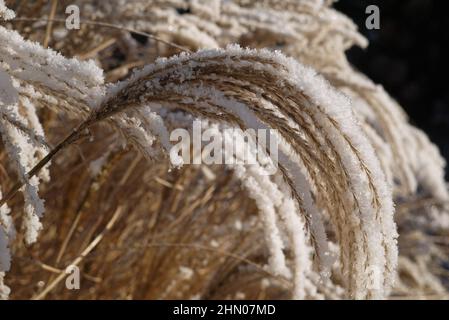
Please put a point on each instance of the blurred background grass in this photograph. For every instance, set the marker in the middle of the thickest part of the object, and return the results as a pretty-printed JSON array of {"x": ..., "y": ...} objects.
[{"x": 409, "y": 56}]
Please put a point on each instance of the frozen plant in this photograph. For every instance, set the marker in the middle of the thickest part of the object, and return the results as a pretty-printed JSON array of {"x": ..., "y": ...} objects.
[{"x": 346, "y": 149}]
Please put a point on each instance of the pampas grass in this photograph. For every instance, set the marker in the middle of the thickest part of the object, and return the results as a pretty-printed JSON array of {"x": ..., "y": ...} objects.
[{"x": 323, "y": 227}]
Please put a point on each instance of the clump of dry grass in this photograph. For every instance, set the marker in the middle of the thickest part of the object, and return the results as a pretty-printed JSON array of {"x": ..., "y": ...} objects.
[{"x": 326, "y": 217}]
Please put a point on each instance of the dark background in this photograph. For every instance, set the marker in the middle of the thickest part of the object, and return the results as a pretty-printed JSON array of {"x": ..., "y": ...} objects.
[{"x": 408, "y": 55}]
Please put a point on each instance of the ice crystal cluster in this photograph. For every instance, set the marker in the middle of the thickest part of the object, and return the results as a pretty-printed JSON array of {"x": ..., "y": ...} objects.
[{"x": 347, "y": 153}]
